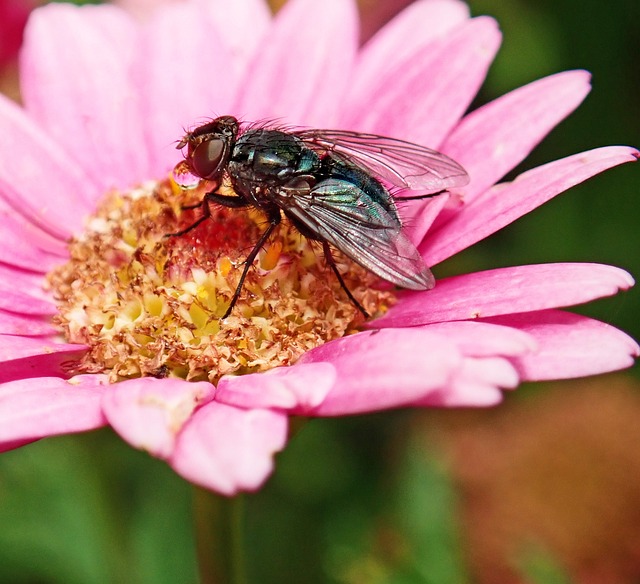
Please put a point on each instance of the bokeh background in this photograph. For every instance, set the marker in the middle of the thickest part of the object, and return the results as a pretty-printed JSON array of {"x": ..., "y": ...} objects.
[{"x": 543, "y": 489}]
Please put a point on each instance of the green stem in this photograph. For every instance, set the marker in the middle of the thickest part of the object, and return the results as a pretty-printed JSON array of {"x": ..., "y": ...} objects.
[{"x": 219, "y": 523}]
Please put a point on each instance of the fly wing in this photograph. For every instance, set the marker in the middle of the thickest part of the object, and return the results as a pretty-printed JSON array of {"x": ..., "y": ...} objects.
[
  {"x": 339, "y": 212},
  {"x": 400, "y": 163}
]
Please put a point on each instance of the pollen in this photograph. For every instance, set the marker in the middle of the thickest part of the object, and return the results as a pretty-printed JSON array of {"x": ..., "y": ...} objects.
[{"x": 148, "y": 303}]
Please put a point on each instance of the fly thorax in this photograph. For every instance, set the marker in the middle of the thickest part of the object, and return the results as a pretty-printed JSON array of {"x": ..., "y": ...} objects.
[{"x": 271, "y": 156}]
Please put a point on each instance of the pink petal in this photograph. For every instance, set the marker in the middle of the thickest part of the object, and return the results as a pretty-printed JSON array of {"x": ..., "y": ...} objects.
[
  {"x": 228, "y": 449},
  {"x": 178, "y": 86},
  {"x": 506, "y": 291},
  {"x": 302, "y": 69},
  {"x": 24, "y": 303},
  {"x": 241, "y": 26},
  {"x": 485, "y": 370},
  {"x": 13, "y": 300},
  {"x": 17, "y": 250},
  {"x": 142, "y": 10},
  {"x": 13, "y": 444},
  {"x": 443, "y": 82},
  {"x": 149, "y": 413},
  {"x": 31, "y": 239},
  {"x": 302, "y": 386},
  {"x": 76, "y": 81},
  {"x": 383, "y": 369},
  {"x": 570, "y": 345},
  {"x": 493, "y": 139},
  {"x": 37, "y": 179},
  {"x": 29, "y": 282},
  {"x": 33, "y": 357},
  {"x": 46, "y": 406},
  {"x": 13, "y": 324},
  {"x": 477, "y": 383},
  {"x": 418, "y": 216},
  {"x": 506, "y": 202},
  {"x": 13, "y": 17},
  {"x": 482, "y": 339},
  {"x": 408, "y": 34}
]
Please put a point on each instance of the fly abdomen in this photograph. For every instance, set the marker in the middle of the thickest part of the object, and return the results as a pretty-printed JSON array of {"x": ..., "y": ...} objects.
[{"x": 348, "y": 173}]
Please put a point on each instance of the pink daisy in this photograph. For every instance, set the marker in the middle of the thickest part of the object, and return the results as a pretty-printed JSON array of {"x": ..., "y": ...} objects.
[{"x": 118, "y": 327}]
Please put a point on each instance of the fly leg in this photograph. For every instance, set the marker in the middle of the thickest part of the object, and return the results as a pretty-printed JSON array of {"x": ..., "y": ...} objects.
[
  {"x": 231, "y": 201},
  {"x": 329, "y": 257},
  {"x": 274, "y": 221}
]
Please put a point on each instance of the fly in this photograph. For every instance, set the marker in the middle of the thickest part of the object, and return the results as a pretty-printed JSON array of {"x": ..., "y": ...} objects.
[{"x": 329, "y": 184}]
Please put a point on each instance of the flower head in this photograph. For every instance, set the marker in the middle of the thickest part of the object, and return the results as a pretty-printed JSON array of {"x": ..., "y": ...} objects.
[{"x": 87, "y": 200}]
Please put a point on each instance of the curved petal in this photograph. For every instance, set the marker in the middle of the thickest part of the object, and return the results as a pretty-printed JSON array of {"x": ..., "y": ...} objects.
[
  {"x": 178, "y": 86},
  {"x": 483, "y": 339},
  {"x": 409, "y": 33},
  {"x": 495, "y": 138},
  {"x": 30, "y": 240},
  {"x": 14, "y": 300},
  {"x": 228, "y": 449},
  {"x": 17, "y": 250},
  {"x": 76, "y": 82},
  {"x": 301, "y": 386},
  {"x": 302, "y": 69},
  {"x": 478, "y": 383},
  {"x": 25, "y": 307},
  {"x": 13, "y": 444},
  {"x": 443, "y": 82},
  {"x": 23, "y": 280},
  {"x": 47, "y": 406},
  {"x": 506, "y": 202},
  {"x": 418, "y": 216},
  {"x": 34, "y": 357},
  {"x": 26, "y": 326},
  {"x": 383, "y": 369},
  {"x": 149, "y": 413},
  {"x": 506, "y": 291},
  {"x": 241, "y": 26},
  {"x": 142, "y": 10},
  {"x": 37, "y": 179},
  {"x": 570, "y": 345}
]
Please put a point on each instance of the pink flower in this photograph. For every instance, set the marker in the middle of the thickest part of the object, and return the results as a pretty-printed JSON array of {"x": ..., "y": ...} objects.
[{"x": 105, "y": 99}]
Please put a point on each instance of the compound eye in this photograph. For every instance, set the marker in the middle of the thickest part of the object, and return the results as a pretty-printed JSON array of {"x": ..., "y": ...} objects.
[{"x": 207, "y": 158}]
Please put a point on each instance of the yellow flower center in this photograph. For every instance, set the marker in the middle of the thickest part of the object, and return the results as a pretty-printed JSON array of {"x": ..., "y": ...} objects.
[{"x": 151, "y": 305}]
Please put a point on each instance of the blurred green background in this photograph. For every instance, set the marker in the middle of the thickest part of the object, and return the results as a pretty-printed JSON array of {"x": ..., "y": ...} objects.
[{"x": 544, "y": 489}]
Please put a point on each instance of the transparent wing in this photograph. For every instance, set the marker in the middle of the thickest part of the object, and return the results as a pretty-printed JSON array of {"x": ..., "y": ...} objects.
[
  {"x": 342, "y": 214},
  {"x": 401, "y": 163}
]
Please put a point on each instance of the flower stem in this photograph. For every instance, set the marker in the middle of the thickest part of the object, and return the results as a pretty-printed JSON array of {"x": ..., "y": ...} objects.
[{"x": 219, "y": 523}]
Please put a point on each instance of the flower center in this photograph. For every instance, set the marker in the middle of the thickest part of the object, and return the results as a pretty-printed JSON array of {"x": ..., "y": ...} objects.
[{"x": 149, "y": 304}]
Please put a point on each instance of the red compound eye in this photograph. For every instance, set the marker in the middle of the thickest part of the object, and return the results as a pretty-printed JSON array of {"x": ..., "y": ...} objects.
[{"x": 208, "y": 158}]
